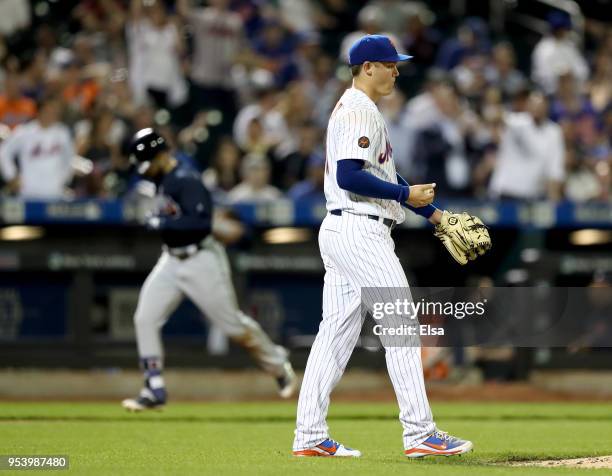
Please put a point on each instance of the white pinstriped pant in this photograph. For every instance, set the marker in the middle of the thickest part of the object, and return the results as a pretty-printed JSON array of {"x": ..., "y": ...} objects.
[{"x": 357, "y": 252}]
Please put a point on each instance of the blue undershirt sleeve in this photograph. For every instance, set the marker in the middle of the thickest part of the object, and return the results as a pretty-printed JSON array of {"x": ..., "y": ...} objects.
[{"x": 352, "y": 178}]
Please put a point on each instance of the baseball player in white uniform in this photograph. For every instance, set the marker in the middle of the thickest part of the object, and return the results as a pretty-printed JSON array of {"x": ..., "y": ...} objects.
[
  {"x": 364, "y": 203},
  {"x": 36, "y": 160}
]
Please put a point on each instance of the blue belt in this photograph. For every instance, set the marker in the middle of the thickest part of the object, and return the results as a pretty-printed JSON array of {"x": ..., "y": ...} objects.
[{"x": 388, "y": 222}]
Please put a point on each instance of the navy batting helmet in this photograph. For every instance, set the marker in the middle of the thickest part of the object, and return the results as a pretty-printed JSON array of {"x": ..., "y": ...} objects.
[{"x": 146, "y": 145}]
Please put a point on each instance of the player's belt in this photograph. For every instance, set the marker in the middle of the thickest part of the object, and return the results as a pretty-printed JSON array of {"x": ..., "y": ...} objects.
[
  {"x": 386, "y": 221},
  {"x": 184, "y": 252}
]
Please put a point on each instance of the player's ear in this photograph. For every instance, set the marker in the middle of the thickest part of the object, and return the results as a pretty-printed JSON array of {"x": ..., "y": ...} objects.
[{"x": 367, "y": 68}]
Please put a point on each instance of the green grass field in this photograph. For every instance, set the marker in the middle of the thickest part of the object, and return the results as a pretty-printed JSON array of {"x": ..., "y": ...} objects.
[{"x": 255, "y": 438}]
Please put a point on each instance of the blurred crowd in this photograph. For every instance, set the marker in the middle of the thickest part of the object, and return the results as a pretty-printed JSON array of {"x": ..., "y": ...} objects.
[{"x": 242, "y": 90}]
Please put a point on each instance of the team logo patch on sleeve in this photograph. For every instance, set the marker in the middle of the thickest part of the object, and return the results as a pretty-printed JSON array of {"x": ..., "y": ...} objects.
[{"x": 363, "y": 142}]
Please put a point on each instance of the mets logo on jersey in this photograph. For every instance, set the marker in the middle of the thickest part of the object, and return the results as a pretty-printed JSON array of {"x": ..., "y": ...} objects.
[
  {"x": 386, "y": 155},
  {"x": 363, "y": 142}
]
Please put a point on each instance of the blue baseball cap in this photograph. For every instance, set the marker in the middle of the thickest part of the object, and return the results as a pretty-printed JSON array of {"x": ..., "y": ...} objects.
[
  {"x": 559, "y": 20},
  {"x": 374, "y": 48}
]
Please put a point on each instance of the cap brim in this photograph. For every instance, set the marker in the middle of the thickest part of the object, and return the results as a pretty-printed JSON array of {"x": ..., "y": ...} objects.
[
  {"x": 399, "y": 57},
  {"x": 390, "y": 59}
]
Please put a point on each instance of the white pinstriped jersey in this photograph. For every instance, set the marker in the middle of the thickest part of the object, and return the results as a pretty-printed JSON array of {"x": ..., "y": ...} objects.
[{"x": 357, "y": 130}]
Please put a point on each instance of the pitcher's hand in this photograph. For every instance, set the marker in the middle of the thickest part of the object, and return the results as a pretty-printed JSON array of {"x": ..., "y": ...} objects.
[{"x": 421, "y": 195}]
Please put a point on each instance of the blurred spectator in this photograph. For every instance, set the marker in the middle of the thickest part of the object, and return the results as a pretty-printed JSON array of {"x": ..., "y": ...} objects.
[
  {"x": 36, "y": 159},
  {"x": 419, "y": 38},
  {"x": 395, "y": 14},
  {"x": 575, "y": 113},
  {"x": 117, "y": 95},
  {"x": 519, "y": 102},
  {"x": 391, "y": 107},
  {"x": 120, "y": 179},
  {"x": 421, "y": 110},
  {"x": 14, "y": 16},
  {"x": 15, "y": 108},
  {"x": 78, "y": 90},
  {"x": 469, "y": 76},
  {"x": 33, "y": 76},
  {"x": 294, "y": 166},
  {"x": 144, "y": 116},
  {"x": 419, "y": 113},
  {"x": 440, "y": 152},
  {"x": 487, "y": 138},
  {"x": 101, "y": 38},
  {"x": 298, "y": 15},
  {"x": 557, "y": 53},
  {"x": 218, "y": 39},
  {"x": 110, "y": 42},
  {"x": 56, "y": 56},
  {"x": 252, "y": 15},
  {"x": 311, "y": 188},
  {"x": 275, "y": 46},
  {"x": 323, "y": 89},
  {"x": 120, "y": 65},
  {"x": 45, "y": 39},
  {"x": 600, "y": 84},
  {"x": 308, "y": 50},
  {"x": 257, "y": 141},
  {"x": 297, "y": 109},
  {"x": 472, "y": 39},
  {"x": 261, "y": 126},
  {"x": 336, "y": 18},
  {"x": 370, "y": 19},
  {"x": 255, "y": 186},
  {"x": 607, "y": 120},
  {"x": 531, "y": 158},
  {"x": 100, "y": 138},
  {"x": 94, "y": 66},
  {"x": 582, "y": 184},
  {"x": 224, "y": 171},
  {"x": 588, "y": 148},
  {"x": 200, "y": 139},
  {"x": 155, "y": 48},
  {"x": 501, "y": 72}
]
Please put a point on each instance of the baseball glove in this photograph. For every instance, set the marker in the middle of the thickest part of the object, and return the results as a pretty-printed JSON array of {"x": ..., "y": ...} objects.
[{"x": 465, "y": 236}]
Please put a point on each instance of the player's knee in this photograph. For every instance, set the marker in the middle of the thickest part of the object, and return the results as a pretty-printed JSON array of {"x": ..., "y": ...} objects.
[
  {"x": 142, "y": 318},
  {"x": 248, "y": 324},
  {"x": 243, "y": 329},
  {"x": 236, "y": 332}
]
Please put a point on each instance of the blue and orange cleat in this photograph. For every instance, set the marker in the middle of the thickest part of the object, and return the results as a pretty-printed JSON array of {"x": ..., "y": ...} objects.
[
  {"x": 440, "y": 443},
  {"x": 329, "y": 447}
]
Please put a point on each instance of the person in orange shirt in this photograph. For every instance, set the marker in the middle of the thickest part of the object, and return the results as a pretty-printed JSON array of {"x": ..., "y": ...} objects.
[
  {"x": 15, "y": 108},
  {"x": 79, "y": 91}
]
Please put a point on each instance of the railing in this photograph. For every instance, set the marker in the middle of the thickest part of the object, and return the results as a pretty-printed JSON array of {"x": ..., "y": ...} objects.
[{"x": 535, "y": 215}]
